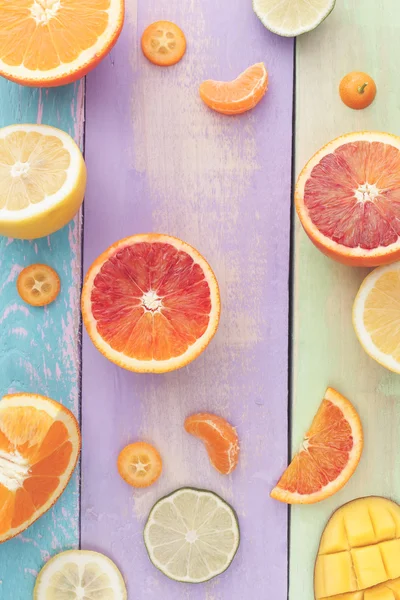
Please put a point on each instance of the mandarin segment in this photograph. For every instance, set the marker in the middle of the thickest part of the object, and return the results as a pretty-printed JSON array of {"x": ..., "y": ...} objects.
[
  {"x": 219, "y": 437},
  {"x": 237, "y": 96}
]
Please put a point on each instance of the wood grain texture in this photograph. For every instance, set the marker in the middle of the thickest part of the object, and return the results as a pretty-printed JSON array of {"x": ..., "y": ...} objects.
[
  {"x": 326, "y": 351},
  {"x": 39, "y": 348},
  {"x": 159, "y": 160}
]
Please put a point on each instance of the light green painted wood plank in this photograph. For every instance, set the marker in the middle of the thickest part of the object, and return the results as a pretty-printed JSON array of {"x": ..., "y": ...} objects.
[{"x": 357, "y": 36}]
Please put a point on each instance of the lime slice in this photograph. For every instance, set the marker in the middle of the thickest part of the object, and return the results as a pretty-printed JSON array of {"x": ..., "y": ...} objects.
[
  {"x": 292, "y": 17},
  {"x": 77, "y": 575},
  {"x": 192, "y": 535}
]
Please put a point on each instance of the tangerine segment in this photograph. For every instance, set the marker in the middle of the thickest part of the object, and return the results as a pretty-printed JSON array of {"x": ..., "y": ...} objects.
[
  {"x": 163, "y": 43},
  {"x": 219, "y": 437},
  {"x": 151, "y": 303},
  {"x": 237, "y": 96},
  {"x": 38, "y": 285},
  {"x": 139, "y": 464},
  {"x": 39, "y": 448},
  {"x": 48, "y": 42},
  {"x": 329, "y": 454},
  {"x": 348, "y": 199}
]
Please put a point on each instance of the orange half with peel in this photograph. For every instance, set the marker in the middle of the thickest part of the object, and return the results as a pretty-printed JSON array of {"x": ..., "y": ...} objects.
[
  {"x": 55, "y": 42},
  {"x": 39, "y": 448},
  {"x": 348, "y": 199},
  {"x": 151, "y": 303},
  {"x": 329, "y": 454}
]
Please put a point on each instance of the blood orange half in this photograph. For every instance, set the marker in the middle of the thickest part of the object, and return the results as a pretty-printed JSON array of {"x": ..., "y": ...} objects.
[
  {"x": 39, "y": 448},
  {"x": 348, "y": 199},
  {"x": 329, "y": 455},
  {"x": 151, "y": 303}
]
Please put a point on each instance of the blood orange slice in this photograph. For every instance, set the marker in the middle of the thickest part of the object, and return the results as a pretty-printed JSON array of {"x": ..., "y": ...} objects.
[
  {"x": 329, "y": 454},
  {"x": 348, "y": 199},
  {"x": 39, "y": 448},
  {"x": 151, "y": 303}
]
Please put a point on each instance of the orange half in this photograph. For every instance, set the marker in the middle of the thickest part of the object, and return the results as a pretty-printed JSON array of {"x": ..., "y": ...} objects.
[
  {"x": 237, "y": 96},
  {"x": 329, "y": 455},
  {"x": 55, "y": 42},
  {"x": 39, "y": 449},
  {"x": 151, "y": 303}
]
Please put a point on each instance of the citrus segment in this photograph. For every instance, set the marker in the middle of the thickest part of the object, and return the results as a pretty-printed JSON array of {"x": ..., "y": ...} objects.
[
  {"x": 376, "y": 316},
  {"x": 80, "y": 574},
  {"x": 42, "y": 180},
  {"x": 39, "y": 448},
  {"x": 151, "y": 303},
  {"x": 348, "y": 199},
  {"x": 139, "y": 464},
  {"x": 237, "y": 96},
  {"x": 163, "y": 43},
  {"x": 328, "y": 457},
  {"x": 48, "y": 42},
  {"x": 292, "y": 17},
  {"x": 220, "y": 439},
  {"x": 192, "y": 535},
  {"x": 38, "y": 285}
]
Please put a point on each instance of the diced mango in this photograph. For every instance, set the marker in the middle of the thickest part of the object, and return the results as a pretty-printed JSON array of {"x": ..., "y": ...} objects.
[
  {"x": 369, "y": 566},
  {"x": 334, "y": 538},
  {"x": 359, "y": 554},
  {"x": 379, "y": 593},
  {"x": 334, "y": 575},
  {"x": 357, "y": 520},
  {"x": 382, "y": 519},
  {"x": 390, "y": 552}
]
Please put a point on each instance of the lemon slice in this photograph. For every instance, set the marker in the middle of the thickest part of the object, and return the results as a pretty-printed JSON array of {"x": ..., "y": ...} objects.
[
  {"x": 292, "y": 17},
  {"x": 192, "y": 535},
  {"x": 376, "y": 316},
  {"x": 80, "y": 574},
  {"x": 42, "y": 180}
]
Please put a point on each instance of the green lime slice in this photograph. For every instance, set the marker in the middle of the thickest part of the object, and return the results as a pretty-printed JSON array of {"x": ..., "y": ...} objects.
[
  {"x": 192, "y": 535},
  {"x": 78, "y": 574},
  {"x": 292, "y": 17}
]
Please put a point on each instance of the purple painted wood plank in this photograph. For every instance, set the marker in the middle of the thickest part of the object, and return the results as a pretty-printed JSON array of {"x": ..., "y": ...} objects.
[{"x": 159, "y": 160}]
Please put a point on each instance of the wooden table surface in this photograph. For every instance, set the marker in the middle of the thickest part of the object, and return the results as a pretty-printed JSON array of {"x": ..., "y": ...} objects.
[{"x": 159, "y": 160}]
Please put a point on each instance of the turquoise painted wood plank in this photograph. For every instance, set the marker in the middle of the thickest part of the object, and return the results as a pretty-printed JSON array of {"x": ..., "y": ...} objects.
[
  {"x": 39, "y": 348},
  {"x": 357, "y": 36}
]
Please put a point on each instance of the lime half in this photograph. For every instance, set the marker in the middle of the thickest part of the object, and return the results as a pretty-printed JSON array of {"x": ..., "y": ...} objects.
[
  {"x": 292, "y": 17},
  {"x": 77, "y": 575},
  {"x": 192, "y": 535}
]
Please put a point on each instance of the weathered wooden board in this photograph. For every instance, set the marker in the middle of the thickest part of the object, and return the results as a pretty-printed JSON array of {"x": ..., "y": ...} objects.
[
  {"x": 159, "y": 160},
  {"x": 39, "y": 348},
  {"x": 326, "y": 351}
]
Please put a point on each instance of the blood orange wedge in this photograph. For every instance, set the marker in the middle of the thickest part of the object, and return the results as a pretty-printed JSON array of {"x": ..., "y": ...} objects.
[
  {"x": 329, "y": 454},
  {"x": 150, "y": 303},
  {"x": 237, "y": 96},
  {"x": 39, "y": 448},
  {"x": 348, "y": 199},
  {"x": 53, "y": 42},
  {"x": 219, "y": 437}
]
